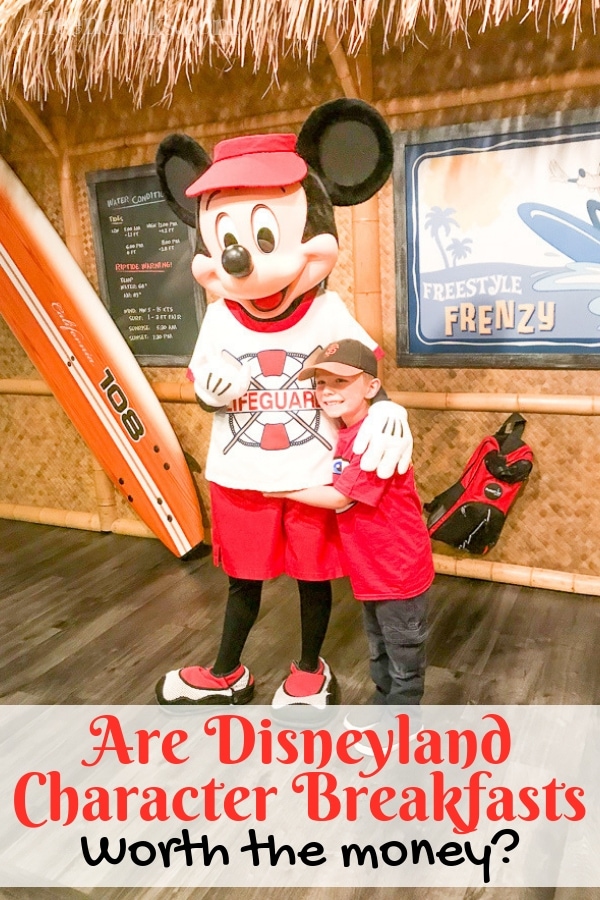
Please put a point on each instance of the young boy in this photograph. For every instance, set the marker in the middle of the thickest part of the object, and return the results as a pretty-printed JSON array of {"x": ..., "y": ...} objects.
[{"x": 383, "y": 535}]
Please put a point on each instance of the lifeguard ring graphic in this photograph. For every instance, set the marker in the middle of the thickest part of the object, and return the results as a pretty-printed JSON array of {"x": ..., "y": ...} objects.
[{"x": 277, "y": 411}]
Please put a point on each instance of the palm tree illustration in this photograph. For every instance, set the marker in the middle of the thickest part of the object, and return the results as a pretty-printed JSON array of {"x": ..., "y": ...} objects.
[
  {"x": 459, "y": 249},
  {"x": 440, "y": 220}
]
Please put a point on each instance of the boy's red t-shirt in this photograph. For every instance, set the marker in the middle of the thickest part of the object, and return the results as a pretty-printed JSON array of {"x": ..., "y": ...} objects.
[{"x": 384, "y": 537}]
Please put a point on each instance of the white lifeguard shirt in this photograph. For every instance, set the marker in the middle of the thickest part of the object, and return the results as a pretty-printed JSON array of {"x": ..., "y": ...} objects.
[{"x": 274, "y": 438}]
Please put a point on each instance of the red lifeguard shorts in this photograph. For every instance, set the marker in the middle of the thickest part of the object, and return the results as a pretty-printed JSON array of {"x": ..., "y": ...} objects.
[{"x": 261, "y": 537}]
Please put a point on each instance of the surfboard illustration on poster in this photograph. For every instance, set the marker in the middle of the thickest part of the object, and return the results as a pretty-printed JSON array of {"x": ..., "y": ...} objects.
[
  {"x": 65, "y": 329},
  {"x": 502, "y": 245}
]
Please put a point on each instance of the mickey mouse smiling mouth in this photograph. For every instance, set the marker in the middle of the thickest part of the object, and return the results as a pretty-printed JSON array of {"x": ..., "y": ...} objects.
[{"x": 270, "y": 303}]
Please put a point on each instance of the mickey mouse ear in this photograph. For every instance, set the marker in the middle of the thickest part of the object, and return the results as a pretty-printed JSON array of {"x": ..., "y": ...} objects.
[
  {"x": 179, "y": 162},
  {"x": 349, "y": 145}
]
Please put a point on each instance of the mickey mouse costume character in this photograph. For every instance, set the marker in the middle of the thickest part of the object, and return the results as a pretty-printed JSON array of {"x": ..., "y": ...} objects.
[{"x": 266, "y": 243}]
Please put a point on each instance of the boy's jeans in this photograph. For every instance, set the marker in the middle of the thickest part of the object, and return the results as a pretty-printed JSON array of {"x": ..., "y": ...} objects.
[{"x": 396, "y": 631}]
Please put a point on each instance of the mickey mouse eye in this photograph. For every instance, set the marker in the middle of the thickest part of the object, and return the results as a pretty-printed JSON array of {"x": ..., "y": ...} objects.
[
  {"x": 226, "y": 231},
  {"x": 265, "y": 229}
]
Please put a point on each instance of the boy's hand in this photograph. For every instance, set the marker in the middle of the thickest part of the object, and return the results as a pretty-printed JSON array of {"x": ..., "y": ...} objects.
[{"x": 384, "y": 441}]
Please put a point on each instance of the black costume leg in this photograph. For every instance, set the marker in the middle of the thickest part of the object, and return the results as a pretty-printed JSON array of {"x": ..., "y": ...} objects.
[
  {"x": 243, "y": 605},
  {"x": 315, "y": 610}
]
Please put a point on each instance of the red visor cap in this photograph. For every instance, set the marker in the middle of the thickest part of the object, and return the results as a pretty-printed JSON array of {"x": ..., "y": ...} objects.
[{"x": 255, "y": 160}]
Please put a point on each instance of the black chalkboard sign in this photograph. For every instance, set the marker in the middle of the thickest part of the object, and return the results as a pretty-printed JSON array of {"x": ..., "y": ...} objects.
[{"x": 144, "y": 255}]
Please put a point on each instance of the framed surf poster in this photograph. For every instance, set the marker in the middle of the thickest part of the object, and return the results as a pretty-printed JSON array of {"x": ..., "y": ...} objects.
[
  {"x": 498, "y": 244},
  {"x": 143, "y": 257}
]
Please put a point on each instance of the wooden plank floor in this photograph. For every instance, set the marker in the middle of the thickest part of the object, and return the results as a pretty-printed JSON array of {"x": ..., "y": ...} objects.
[{"x": 90, "y": 618}]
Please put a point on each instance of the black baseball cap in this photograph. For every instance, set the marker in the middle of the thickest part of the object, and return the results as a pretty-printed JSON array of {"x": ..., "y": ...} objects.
[{"x": 347, "y": 357}]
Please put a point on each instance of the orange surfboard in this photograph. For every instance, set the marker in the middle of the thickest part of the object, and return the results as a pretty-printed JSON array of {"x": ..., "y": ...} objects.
[{"x": 70, "y": 337}]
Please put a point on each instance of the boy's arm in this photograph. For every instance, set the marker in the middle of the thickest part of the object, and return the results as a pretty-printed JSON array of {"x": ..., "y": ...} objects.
[{"x": 324, "y": 496}]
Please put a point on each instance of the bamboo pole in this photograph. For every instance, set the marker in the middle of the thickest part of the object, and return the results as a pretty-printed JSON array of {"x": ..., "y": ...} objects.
[
  {"x": 577, "y": 79},
  {"x": 132, "y": 527},
  {"x": 36, "y": 124},
  {"x": 45, "y": 515},
  {"x": 105, "y": 496},
  {"x": 70, "y": 518},
  {"x": 549, "y": 404},
  {"x": 366, "y": 265},
  {"x": 527, "y": 576},
  {"x": 364, "y": 70},
  {"x": 365, "y": 216},
  {"x": 498, "y": 572},
  {"x": 210, "y": 130},
  {"x": 27, "y": 387},
  {"x": 339, "y": 59},
  {"x": 554, "y": 404},
  {"x": 174, "y": 392},
  {"x": 73, "y": 236},
  {"x": 368, "y": 301}
]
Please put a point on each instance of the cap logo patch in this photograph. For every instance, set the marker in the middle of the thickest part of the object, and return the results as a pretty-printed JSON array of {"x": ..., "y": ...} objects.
[{"x": 331, "y": 349}]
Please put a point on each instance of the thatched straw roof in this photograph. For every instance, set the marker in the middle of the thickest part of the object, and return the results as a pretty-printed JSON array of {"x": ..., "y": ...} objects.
[{"x": 56, "y": 45}]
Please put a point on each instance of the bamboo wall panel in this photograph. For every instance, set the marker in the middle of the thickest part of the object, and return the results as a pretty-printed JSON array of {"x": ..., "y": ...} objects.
[
  {"x": 551, "y": 525},
  {"x": 14, "y": 362},
  {"x": 43, "y": 461},
  {"x": 425, "y": 65},
  {"x": 39, "y": 174}
]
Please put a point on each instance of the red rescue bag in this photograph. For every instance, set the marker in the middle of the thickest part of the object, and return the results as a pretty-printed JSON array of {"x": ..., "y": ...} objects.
[{"x": 471, "y": 513}]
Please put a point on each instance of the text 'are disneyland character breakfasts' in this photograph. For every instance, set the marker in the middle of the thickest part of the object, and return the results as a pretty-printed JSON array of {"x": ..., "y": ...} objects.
[{"x": 266, "y": 244}]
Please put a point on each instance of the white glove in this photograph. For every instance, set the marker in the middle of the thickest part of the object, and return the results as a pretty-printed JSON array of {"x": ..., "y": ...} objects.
[
  {"x": 219, "y": 382},
  {"x": 385, "y": 440}
]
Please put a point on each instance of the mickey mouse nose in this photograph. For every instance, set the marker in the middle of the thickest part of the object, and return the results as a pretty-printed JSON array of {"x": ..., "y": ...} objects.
[{"x": 237, "y": 261}]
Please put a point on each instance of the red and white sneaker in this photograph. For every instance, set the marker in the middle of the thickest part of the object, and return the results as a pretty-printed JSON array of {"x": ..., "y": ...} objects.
[
  {"x": 316, "y": 689},
  {"x": 197, "y": 686}
]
